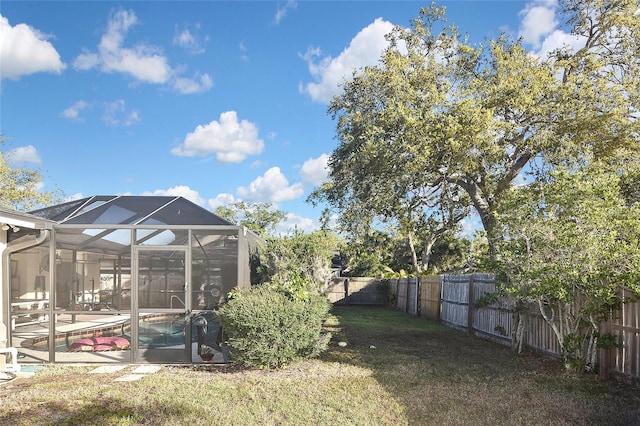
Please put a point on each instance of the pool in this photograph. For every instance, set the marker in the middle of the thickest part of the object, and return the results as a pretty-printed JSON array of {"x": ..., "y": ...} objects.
[{"x": 154, "y": 332}]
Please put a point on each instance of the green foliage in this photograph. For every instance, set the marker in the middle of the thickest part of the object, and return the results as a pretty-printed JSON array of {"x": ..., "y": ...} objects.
[
  {"x": 261, "y": 218},
  {"x": 381, "y": 169},
  {"x": 607, "y": 341},
  {"x": 394, "y": 384},
  {"x": 271, "y": 326},
  {"x": 390, "y": 273},
  {"x": 449, "y": 254},
  {"x": 298, "y": 256},
  {"x": 477, "y": 258},
  {"x": 373, "y": 253},
  {"x": 21, "y": 186},
  {"x": 630, "y": 185},
  {"x": 370, "y": 253},
  {"x": 571, "y": 243},
  {"x": 441, "y": 125},
  {"x": 429, "y": 133},
  {"x": 488, "y": 299},
  {"x": 572, "y": 349},
  {"x": 296, "y": 288}
]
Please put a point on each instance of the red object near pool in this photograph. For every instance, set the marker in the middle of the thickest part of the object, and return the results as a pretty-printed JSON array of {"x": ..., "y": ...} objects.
[{"x": 100, "y": 344}]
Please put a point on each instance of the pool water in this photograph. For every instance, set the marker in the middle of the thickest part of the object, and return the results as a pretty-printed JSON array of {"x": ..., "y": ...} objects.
[{"x": 162, "y": 333}]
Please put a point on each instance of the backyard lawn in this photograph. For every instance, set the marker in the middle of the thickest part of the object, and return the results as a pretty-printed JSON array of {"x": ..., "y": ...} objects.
[{"x": 394, "y": 370}]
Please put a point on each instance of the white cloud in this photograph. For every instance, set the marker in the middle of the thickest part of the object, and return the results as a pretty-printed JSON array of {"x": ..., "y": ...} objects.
[
  {"x": 281, "y": 11},
  {"x": 223, "y": 199},
  {"x": 86, "y": 61},
  {"x": 132, "y": 118},
  {"x": 539, "y": 29},
  {"x": 294, "y": 222},
  {"x": 25, "y": 50},
  {"x": 23, "y": 154},
  {"x": 257, "y": 164},
  {"x": 184, "y": 39},
  {"x": 116, "y": 114},
  {"x": 73, "y": 112},
  {"x": 538, "y": 20},
  {"x": 142, "y": 61},
  {"x": 559, "y": 39},
  {"x": 198, "y": 84},
  {"x": 179, "y": 191},
  {"x": 192, "y": 42},
  {"x": 314, "y": 171},
  {"x": 329, "y": 73},
  {"x": 231, "y": 140},
  {"x": 244, "y": 52},
  {"x": 273, "y": 187}
]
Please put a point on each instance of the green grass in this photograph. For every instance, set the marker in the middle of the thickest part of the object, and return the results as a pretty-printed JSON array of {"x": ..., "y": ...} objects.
[{"x": 394, "y": 370}]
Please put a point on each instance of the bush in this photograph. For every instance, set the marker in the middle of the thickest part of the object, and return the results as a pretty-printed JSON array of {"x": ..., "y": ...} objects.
[{"x": 265, "y": 328}]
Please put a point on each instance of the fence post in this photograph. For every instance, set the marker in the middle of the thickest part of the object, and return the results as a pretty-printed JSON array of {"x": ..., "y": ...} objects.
[
  {"x": 440, "y": 294},
  {"x": 418, "y": 296},
  {"x": 346, "y": 291},
  {"x": 604, "y": 355},
  {"x": 470, "y": 306},
  {"x": 406, "y": 295}
]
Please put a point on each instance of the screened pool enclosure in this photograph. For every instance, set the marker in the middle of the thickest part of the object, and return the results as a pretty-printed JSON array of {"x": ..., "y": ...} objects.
[{"x": 130, "y": 279}]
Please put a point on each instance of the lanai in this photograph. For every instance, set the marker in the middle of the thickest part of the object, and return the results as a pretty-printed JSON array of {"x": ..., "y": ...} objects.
[{"x": 149, "y": 269}]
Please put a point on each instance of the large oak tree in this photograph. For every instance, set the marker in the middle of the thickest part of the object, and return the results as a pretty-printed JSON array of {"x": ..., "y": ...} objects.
[{"x": 441, "y": 124}]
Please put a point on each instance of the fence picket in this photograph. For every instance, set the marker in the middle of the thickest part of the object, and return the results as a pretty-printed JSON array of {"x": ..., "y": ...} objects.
[{"x": 450, "y": 299}]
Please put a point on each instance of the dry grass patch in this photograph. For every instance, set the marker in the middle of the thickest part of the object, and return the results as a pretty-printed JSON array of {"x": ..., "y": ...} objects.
[
  {"x": 310, "y": 391},
  {"x": 444, "y": 376},
  {"x": 395, "y": 370}
]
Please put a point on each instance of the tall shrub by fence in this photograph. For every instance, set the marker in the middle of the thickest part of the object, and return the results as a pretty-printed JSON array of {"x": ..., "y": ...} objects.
[{"x": 451, "y": 299}]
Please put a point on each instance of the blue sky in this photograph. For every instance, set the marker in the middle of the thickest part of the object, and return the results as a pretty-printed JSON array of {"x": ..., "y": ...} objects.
[{"x": 217, "y": 101}]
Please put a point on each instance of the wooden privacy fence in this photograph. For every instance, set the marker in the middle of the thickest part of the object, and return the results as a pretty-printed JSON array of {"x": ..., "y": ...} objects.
[
  {"x": 406, "y": 290},
  {"x": 625, "y": 325},
  {"x": 357, "y": 291},
  {"x": 451, "y": 300}
]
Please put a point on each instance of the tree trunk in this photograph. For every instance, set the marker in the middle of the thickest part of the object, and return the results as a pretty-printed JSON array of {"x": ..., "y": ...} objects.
[
  {"x": 518, "y": 333},
  {"x": 414, "y": 255},
  {"x": 426, "y": 251},
  {"x": 423, "y": 264},
  {"x": 485, "y": 211},
  {"x": 485, "y": 201},
  {"x": 484, "y": 207}
]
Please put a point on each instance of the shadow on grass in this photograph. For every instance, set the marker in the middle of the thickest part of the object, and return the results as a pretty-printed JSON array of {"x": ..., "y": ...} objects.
[
  {"x": 442, "y": 375},
  {"x": 101, "y": 411}
]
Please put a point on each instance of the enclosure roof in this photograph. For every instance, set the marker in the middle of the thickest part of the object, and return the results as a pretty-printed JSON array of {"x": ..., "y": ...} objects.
[
  {"x": 22, "y": 220},
  {"x": 130, "y": 210}
]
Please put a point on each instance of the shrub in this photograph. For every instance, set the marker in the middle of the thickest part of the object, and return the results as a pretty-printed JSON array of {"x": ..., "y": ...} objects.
[{"x": 265, "y": 328}]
